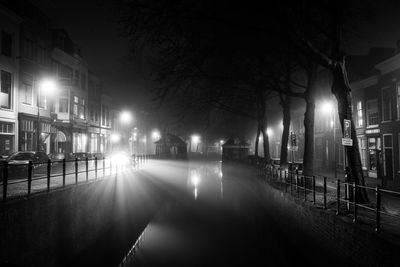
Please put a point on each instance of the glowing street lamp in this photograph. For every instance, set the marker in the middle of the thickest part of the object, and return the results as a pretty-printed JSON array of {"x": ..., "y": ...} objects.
[
  {"x": 125, "y": 116},
  {"x": 155, "y": 134},
  {"x": 47, "y": 87},
  {"x": 115, "y": 138}
]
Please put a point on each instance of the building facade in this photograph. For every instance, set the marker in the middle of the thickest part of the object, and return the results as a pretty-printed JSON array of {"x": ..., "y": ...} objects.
[{"x": 9, "y": 77}]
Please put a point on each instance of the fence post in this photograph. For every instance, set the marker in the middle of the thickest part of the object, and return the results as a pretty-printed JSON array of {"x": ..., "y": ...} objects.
[
  {"x": 87, "y": 168},
  {"x": 305, "y": 187},
  {"x": 346, "y": 195},
  {"x": 337, "y": 197},
  {"x": 95, "y": 168},
  {"x": 104, "y": 167},
  {"x": 110, "y": 167},
  {"x": 313, "y": 188},
  {"x": 355, "y": 202},
  {"x": 30, "y": 167},
  {"x": 297, "y": 184},
  {"x": 324, "y": 192},
  {"x": 63, "y": 172},
  {"x": 76, "y": 170},
  {"x": 291, "y": 182},
  {"x": 285, "y": 182},
  {"x": 378, "y": 209},
  {"x": 5, "y": 180},
  {"x": 48, "y": 174}
]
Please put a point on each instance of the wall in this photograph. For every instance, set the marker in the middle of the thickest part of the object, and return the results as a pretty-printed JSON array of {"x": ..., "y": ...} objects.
[
  {"x": 56, "y": 228},
  {"x": 356, "y": 245}
]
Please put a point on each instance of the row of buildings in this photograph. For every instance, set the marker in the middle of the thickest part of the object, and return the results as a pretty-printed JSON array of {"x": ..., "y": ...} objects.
[
  {"x": 375, "y": 83},
  {"x": 77, "y": 117}
]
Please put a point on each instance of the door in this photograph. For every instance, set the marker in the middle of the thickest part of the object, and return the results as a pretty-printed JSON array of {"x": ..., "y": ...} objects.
[
  {"x": 388, "y": 156},
  {"x": 374, "y": 144}
]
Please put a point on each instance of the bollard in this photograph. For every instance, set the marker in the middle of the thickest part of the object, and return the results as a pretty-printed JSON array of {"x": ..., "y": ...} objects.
[
  {"x": 63, "y": 172},
  {"x": 5, "y": 180},
  {"x": 87, "y": 168},
  {"x": 355, "y": 202},
  {"x": 378, "y": 209},
  {"x": 95, "y": 168},
  {"x": 48, "y": 174},
  {"x": 313, "y": 188},
  {"x": 76, "y": 170},
  {"x": 337, "y": 197},
  {"x": 324, "y": 192},
  {"x": 30, "y": 168}
]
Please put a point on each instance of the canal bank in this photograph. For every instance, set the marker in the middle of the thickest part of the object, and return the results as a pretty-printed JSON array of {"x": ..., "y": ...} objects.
[{"x": 67, "y": 227}]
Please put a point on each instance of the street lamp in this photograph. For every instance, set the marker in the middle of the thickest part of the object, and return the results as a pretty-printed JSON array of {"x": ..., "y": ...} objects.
[
  {"x": 46, "y": 87},
  {"x": 125, "y": 117},
  {"x": 195, "y": 141},
  {"x": 328, "y": 108},
  {"x": 155, "y": 135}
]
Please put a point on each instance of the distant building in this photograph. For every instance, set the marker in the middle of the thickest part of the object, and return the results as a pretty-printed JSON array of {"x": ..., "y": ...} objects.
[
  {"x": 171, "y": 146},
  {"x": 235, "y": 149}
]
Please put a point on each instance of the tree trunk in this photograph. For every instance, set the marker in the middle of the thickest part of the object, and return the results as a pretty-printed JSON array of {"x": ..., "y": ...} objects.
[
  {"x": 285, "y": 103},
  {"x": 342, "y": 92},
  {"x": 267, "y": 156},
  {"x": 257, "y": 141},
  {"x": 308, "y": 153}
]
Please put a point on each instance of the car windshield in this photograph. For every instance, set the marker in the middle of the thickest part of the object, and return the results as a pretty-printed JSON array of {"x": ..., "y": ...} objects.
[{"x": 21, "y": 156}]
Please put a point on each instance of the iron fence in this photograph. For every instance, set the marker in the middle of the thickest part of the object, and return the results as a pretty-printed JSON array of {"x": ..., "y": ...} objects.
[
  {"x": 22, "y": 180},
  {"x": 381, "y": 210}
]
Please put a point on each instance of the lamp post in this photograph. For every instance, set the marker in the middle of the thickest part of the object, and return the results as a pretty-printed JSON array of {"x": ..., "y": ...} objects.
[
  {"x": 328, "y": 107},
  {"x": 46, "y": 87}
]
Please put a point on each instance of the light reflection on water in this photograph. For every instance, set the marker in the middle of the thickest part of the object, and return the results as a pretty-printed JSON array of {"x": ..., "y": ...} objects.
[{"x": 205, "y": 179}]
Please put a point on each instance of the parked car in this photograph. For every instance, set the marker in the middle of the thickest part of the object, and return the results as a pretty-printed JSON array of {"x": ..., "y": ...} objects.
[
  {"x": 55, "y": 157},
  {"x": 80, "y": 155},
  {"x": 18, "y": 164}
]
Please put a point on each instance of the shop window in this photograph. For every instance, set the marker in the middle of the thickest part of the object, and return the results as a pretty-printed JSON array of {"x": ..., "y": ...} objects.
[
  {"x": 363, "y": 151},
  {"x": 374, "y": 144}
]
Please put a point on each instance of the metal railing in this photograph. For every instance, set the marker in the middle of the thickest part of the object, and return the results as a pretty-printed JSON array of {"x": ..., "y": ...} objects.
[
  {"x": 22, "y": 180},
  {"x": 382, "y": 209}
]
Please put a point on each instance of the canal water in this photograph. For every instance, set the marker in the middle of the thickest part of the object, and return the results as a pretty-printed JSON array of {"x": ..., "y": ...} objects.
[{"x": 217, "y": 217}]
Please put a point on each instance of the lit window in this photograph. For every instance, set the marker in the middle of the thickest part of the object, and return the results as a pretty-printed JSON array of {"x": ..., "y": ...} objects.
[
  {"x": 360, "y": 120},
  {"x": 372, "y": 112}
]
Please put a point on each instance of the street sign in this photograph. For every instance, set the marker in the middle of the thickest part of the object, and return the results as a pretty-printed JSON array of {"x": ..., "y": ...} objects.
[
  {"x": 347, "y": 142},
  {"x": 347, "y": 129}
]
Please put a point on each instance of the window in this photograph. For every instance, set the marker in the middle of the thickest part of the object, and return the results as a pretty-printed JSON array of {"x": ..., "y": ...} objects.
[
  {"x": 28, "y": 49},
  {"x": 64, "y": 74},
  {"x": 83, "y": 81},
  {"x": 76, "y": 103},
  {"x": 374, "y": 143},
  {"x": 360, "y": 120},
  {"x": 398, "y": 100},
  {"x": 386, "y": 104},
  {"x": 103, "y": 114},
  {"x": 6, "y": 44},
  {"x": 82, "y": 109},
  {"x": 372, "y": 112},
  {"x": 41, "y": 55},
  {"x": 26, "y": 91},
  {"x": 63, "y": 105},
  {"x": 5, "y": 91},
  {"x": 6, "y": 128},
  {"x": 77, "y": 78}
]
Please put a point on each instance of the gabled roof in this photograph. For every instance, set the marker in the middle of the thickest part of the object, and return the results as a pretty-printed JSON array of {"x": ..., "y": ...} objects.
[{"x": 171, "y": 140}]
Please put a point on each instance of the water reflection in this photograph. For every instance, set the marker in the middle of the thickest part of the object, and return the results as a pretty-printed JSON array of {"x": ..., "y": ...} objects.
[{"x": 205, "y": 180}]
